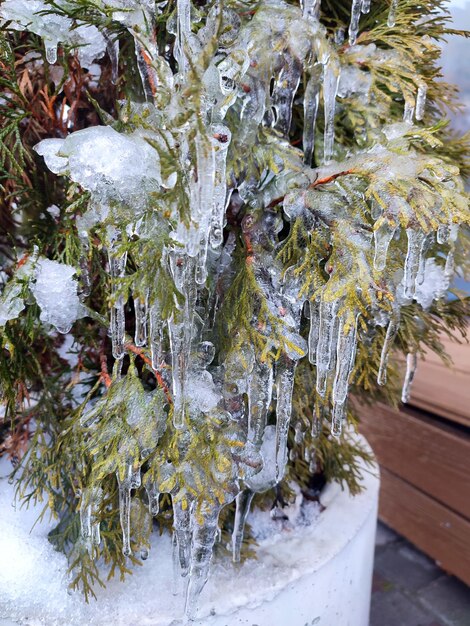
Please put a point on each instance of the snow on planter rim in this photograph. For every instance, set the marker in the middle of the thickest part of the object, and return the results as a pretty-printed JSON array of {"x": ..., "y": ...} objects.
[{"x": 33, "y": 576}]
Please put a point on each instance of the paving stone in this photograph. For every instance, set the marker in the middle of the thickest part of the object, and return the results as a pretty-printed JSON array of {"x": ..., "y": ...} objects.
[
  {"x": 394, "y": 608},
  {"x": 379, "y": 583},
  {"x": 385, "y": 535},
  {"x": 448, "y": 599},
  {"x": 406, "y": 567}
]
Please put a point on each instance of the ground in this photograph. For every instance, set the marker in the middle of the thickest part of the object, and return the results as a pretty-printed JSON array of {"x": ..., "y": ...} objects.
[{"x": 409, "y": 589}]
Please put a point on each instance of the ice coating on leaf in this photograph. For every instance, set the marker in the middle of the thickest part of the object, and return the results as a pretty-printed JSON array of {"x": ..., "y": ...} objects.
[
  {"x": 111, "y": 165},
  {"x": 11, "y": 303},
  {"x": 37, "y": 17},
  {"x": 55, "y": 290},
  {"x": 434, "y": 285},
  {"x": 223, "y": 219}
]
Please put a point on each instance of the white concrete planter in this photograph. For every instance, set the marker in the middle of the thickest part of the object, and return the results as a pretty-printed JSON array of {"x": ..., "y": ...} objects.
[{"x": 320, "y": 574}]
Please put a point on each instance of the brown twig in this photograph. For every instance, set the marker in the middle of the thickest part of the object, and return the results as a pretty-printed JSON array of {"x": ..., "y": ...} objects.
[
  {"x": 105, "y": 377},
  {"x": 140, "y": 352}
]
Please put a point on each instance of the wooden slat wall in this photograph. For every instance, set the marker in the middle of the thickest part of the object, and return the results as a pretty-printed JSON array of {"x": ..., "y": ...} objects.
[
  {"x": 437, "y": 531},
  {"x": 425, "y": 482},
  {"x": 442, "y": 390},
  {"x": 426, "y": 454}
]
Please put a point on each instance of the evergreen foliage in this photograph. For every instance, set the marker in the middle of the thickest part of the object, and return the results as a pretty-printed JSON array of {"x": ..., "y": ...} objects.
[{"x": 312, "y": 228}]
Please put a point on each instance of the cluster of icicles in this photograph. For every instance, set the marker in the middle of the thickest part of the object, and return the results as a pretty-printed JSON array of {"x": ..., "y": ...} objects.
[{"x": 331, "y": 341}]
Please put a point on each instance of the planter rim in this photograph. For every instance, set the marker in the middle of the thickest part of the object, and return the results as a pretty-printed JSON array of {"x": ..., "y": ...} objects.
[{"x": 281, "y": 562}]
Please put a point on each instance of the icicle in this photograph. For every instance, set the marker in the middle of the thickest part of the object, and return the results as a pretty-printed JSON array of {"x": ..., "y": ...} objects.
[
  {"x": 85, "y": 519},
  {"x": 311, "y": 9},
  {"x": 112, "y": 48},
  {"x": 345, "y": 355},
  {"x": 337, "y": 419},
  {"x": 85, "y": 280},
  {"x": 411, "y": 364},
  {"x": 205, "y": 526},
  {"x": 284, "y": 388},
  {"x": 202, "y": 210},
  {"x": 324, "y": 347},
  {"x": 450, "y": 264},
  {"x": 284, "y": 91},
  {"x": 260, "y": 388},
  {"x": 383, "y": 235},
  {"x": 243, "y": 501},
  {"x": 130, "y": 481},
  {"x": 392, "y": 331},
  {"x": 450, "y": 261},
  {"x": 90, "y": 503},
  {"x": 354, "y": 24},
  {"x": 392, "y": 14},
  {"x": 365, "y": 6},
  {"x": 421, "y": 101},
  {"x": 331, "y": 76},
  {"x": 148, "y": 75},
  {"x": 141, "y": 320},
  {"x": 415, "y": 246},
  {"x": 156, "y": 336},
  {"x": 182, "y": 527},
  {"x": 176, "y": 582},
  {"x": 180, "y": 330},
  {"x": 183, "y": 8},
  {"x": 311, "y": 102},
  {"x": 313, "y": 333},
  {"x": 420, "y": 275},
  {"x": 298, "y": 434},
  {"x": 220, "y": 137},
  {"x": 51, "y": 51},
  {"x": 180, "y": 346},
  {"x": 154, "y": 498},
  {"x": 408, "y": 113},
  {"x": 117, "y": 267},
  {"x": 443, "y": 233},
  {"x": 317, "y": 419}
]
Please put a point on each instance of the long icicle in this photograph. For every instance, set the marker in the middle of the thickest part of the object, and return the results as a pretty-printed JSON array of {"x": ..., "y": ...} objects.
[
  {"x": 345, "y": 355},
  {"x": 311, "y": 103},
  {"x": 243, "y": 502},
  {"x": 331, "y": 74},
  {"x": 354, "y": 24},
  {"x": 392, "y": 331},
  {"x": 284, "y": 388},
  {"x": 117, "y": 267},
  {"x": 411, "y": 365},
  {"x": 324, "y": 347}
]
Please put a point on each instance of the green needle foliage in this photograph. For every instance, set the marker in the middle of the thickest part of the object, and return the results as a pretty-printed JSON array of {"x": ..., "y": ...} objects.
[{"x": 89, "y": 420}]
